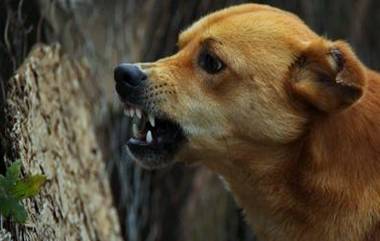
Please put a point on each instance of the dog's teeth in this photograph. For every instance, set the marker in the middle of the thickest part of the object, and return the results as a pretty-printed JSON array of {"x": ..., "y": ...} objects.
[
  {"x": 149, "y": 137},
  {"x": 152, "y": 121},
  {"x": 131, "y": 112},
  {"x": 126, "y": 112},
  {"x": 135, "y": 131},
  {"x": 138, "y": 113}
]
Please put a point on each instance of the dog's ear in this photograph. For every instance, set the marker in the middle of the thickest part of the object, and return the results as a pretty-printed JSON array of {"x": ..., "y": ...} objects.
[{"x": 328, "y": 75}]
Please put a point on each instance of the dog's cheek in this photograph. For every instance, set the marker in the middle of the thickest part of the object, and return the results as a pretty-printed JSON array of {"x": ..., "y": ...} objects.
[{"x": 161, "y": 92}]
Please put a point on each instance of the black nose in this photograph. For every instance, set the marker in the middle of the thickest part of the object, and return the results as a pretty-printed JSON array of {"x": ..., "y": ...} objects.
[{"x": 129, "y": 74}]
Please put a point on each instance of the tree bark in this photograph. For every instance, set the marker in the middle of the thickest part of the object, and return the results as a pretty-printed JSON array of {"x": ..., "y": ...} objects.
[{"x": 50, "y": 129}]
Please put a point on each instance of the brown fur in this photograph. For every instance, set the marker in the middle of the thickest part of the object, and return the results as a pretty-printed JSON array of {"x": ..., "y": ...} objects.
[{"x": 292, "y": 123}]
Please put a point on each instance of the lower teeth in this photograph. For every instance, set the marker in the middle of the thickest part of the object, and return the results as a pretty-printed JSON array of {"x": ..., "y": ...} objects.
[
  {"x": 139, "y": 131},
  {"x": 149, "y": 137}
]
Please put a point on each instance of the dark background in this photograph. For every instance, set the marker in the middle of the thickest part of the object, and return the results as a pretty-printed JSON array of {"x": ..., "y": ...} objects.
[{"x": 177, "y": 203}]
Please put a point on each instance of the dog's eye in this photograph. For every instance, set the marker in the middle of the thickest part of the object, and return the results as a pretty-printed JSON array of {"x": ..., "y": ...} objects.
[{"x": 210, "y": 63}]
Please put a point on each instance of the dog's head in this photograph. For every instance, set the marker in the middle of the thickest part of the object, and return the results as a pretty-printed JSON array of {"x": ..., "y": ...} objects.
[{"x": 250, "y": 73}]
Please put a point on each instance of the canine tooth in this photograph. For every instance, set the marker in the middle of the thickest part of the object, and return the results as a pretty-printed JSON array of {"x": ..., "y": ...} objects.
[
  {"x": 135, "y": 131},
  {"x": 149, "y": 137},
  {"x": 138, "y": 113},
  {"x": 126, "y": 112},
  {"x": 131, "y": 112},
  {"x": 152, "y": 121}
]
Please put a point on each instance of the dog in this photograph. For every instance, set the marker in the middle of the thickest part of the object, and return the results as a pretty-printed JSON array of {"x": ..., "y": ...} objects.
[{"x": 290, "y": 119}]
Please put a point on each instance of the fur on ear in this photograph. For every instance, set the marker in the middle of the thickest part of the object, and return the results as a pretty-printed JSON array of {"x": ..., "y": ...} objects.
[{"x": 328, "y": 75}]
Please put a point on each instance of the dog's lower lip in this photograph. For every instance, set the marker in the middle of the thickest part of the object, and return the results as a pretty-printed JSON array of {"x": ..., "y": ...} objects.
[
  {"x": 135, "y": 141},
  {"x": 145, "y": 139}
]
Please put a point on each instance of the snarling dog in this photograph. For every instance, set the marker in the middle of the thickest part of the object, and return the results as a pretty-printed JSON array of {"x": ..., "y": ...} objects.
[{"x": 290, "y": 119}]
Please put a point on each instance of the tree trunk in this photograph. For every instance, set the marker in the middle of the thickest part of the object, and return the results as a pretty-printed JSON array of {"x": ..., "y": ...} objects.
[{"x": 50, "y": 129}]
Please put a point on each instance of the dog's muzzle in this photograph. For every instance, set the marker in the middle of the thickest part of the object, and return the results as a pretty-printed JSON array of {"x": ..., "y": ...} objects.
[{"x": 154, "y": 139}]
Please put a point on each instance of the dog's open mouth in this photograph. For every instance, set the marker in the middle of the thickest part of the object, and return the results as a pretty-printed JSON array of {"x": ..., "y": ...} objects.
[{"x": 154, "y": 141}]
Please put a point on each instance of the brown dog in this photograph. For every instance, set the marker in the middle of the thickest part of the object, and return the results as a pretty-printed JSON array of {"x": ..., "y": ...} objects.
[{"x": 291, "y": 120}]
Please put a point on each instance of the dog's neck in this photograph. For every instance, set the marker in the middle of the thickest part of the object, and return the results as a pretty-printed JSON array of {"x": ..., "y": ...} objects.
[
  {"x": 343, "y": 146},
  {"x": 333, "y": 165}
]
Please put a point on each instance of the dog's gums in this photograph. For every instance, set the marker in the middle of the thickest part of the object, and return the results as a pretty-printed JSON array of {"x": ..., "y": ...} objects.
[{"x": 290, "y": 119}]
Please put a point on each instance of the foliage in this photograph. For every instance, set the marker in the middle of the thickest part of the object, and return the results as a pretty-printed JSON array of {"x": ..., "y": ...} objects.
[{"x": 13, "y": 189}]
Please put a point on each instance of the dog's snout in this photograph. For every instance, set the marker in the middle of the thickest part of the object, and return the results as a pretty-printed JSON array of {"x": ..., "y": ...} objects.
[{"x": 129, "y": 74}]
